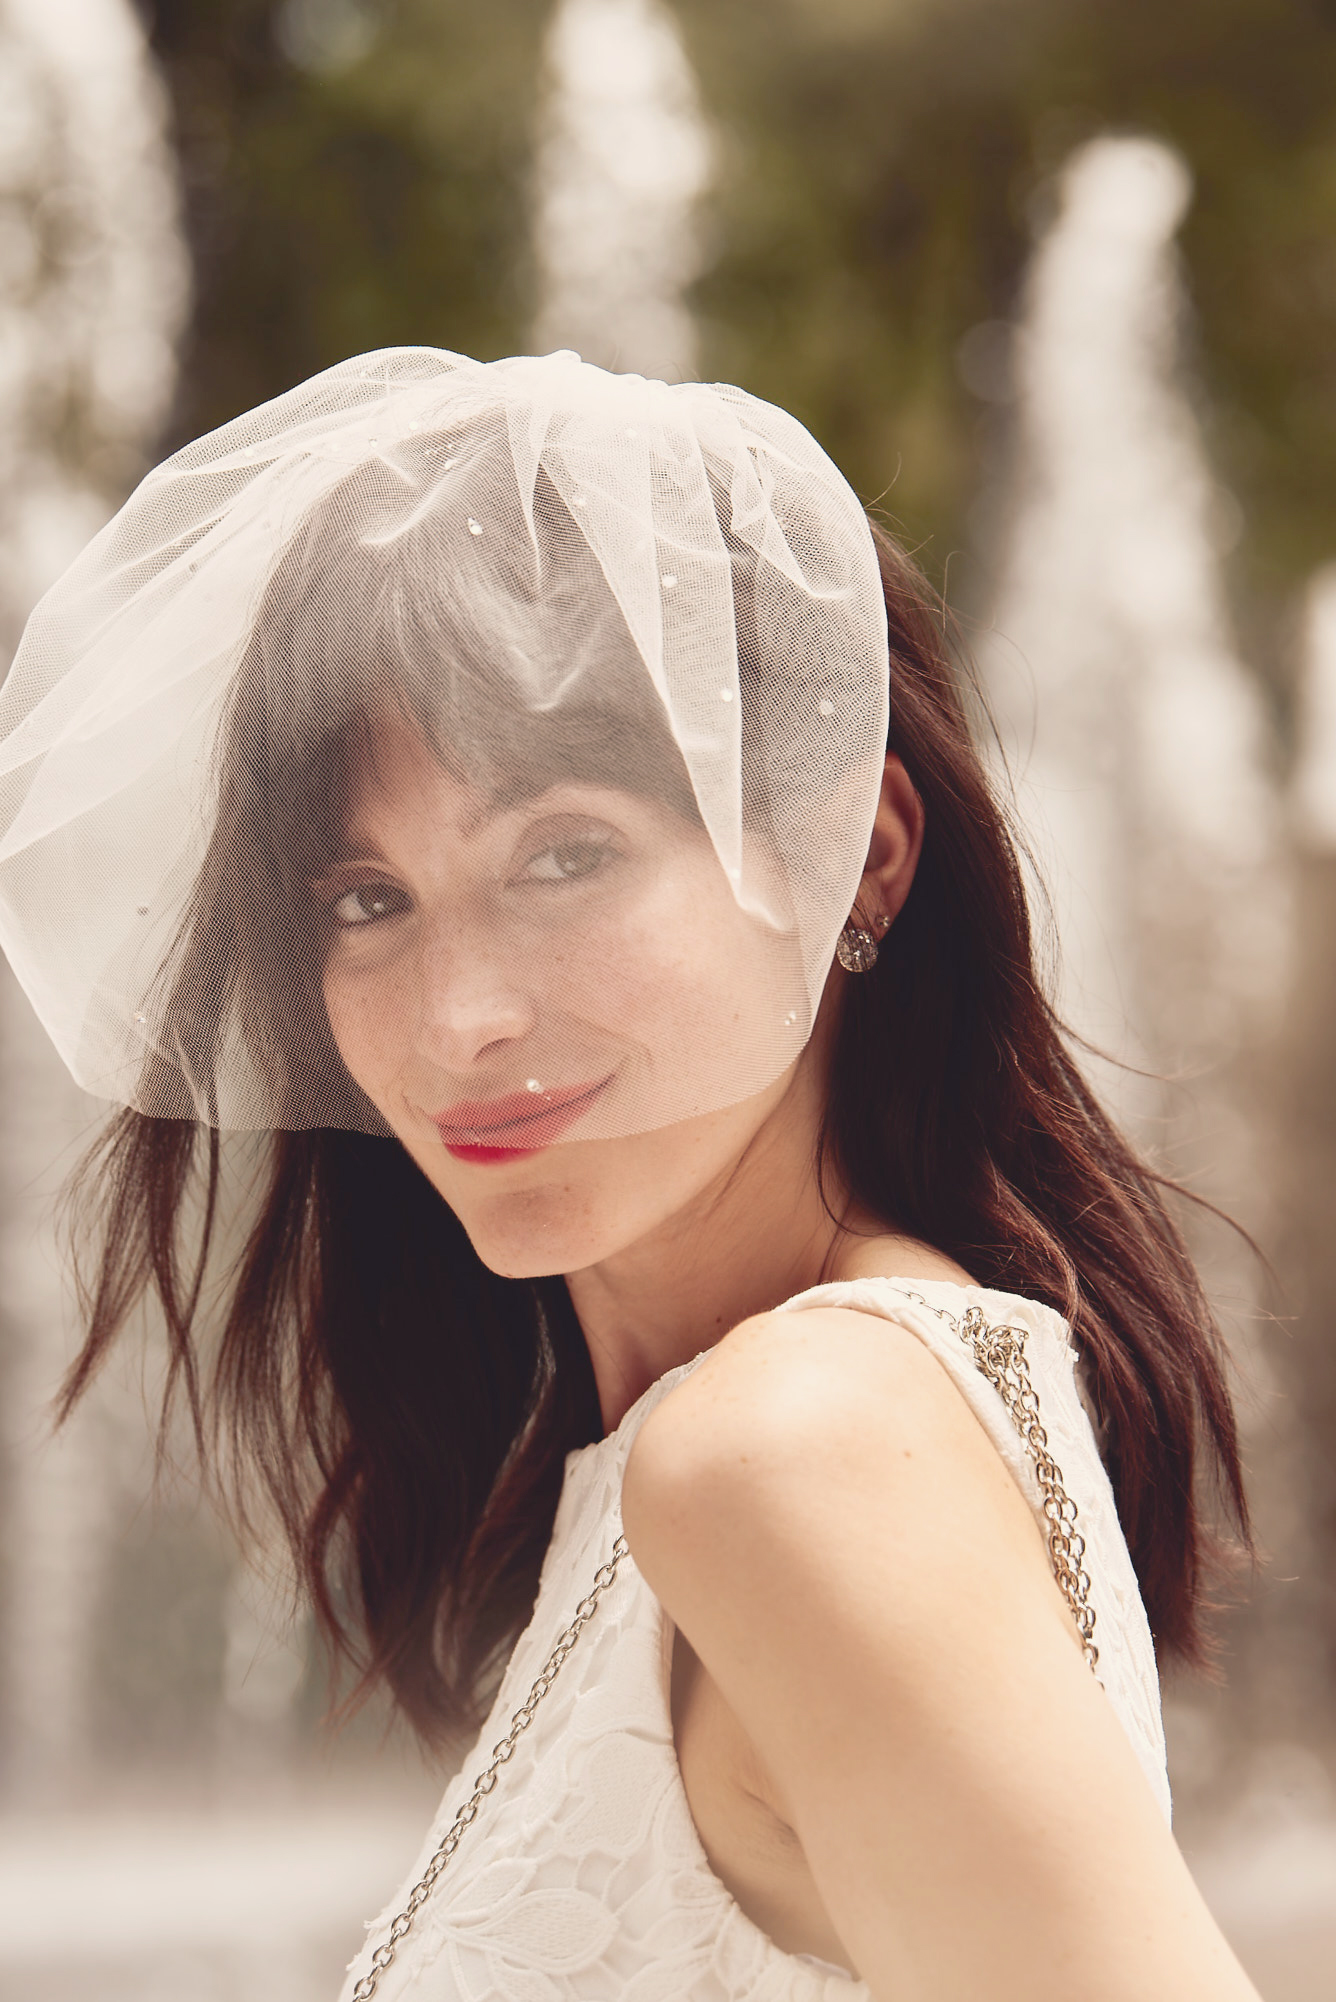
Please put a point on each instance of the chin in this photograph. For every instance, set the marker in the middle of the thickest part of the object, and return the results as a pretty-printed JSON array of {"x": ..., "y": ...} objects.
[
  {"x": 570, "y": 1207},
  {"x": 551, "y": 1226}
]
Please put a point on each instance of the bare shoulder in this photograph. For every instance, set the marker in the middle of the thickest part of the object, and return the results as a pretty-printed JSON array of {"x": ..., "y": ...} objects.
[
  {"x": 804, "y": 1383},
  {"x": 828, "y": 1525},
  {"x": 802, "y": 1426}
]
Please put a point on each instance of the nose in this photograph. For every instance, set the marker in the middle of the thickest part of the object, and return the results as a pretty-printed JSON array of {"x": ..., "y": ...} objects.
[{"x": 475, "y": 998}]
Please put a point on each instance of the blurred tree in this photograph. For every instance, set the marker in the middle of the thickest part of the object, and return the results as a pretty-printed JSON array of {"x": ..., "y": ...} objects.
[
  {"x": 355, "y": 176},
  {"x": 357, "y": 171},
  {"x": 882, "y": 163}
]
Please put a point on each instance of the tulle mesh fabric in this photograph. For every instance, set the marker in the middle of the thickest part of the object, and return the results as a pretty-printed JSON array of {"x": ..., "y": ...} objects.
[{"x": 567, "y": 589}]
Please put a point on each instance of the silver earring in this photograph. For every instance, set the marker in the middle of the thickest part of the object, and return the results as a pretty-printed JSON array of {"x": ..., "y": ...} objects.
[{"x": 856, "y": 949}]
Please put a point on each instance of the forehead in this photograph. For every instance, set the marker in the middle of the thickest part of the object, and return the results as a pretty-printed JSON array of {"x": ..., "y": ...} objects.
[
  {"x": 397, "y": 781},
  {"x": 403, "y": 793}
]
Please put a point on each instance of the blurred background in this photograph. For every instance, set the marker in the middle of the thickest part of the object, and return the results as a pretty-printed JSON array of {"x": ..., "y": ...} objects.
[{"x": 1056, "y": 286}]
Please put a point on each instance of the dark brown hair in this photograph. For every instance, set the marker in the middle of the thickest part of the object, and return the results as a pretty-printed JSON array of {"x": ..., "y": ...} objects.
[{"x": 408, "y": 1412}]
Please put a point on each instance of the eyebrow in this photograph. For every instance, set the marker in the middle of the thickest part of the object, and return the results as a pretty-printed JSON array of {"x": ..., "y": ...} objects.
[
  {"x": 346, "y": 849},
  {"x": 480, "y": 816}
]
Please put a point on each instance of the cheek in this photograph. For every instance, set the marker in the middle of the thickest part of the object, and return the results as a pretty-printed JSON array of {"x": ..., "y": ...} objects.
[
  {"x": 712, "y": 1003},
  {"x": 367, "y": 1019},
  {"x": 680, "y": 959},
  {"x": 716, "y": 1001}
]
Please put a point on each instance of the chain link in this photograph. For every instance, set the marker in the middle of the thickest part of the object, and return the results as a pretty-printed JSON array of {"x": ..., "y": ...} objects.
[
  {"x": 999, "y": 1354},
  {"x": 486, "y": 1780}
]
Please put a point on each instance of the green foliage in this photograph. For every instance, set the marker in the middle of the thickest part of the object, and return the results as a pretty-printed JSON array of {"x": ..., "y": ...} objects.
[
  {"x": 883, "y": 165},
  {"x": 377, "y": 201}
]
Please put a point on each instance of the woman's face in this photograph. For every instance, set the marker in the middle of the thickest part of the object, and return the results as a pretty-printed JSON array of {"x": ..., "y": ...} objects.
[{"x": 555, "y": 1004}]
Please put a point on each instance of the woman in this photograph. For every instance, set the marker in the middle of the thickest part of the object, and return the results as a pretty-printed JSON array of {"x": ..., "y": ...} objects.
[{"x": 673, "y": 1206}]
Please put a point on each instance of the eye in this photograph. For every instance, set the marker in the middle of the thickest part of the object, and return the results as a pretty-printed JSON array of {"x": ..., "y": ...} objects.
[
  {"x": 367, "y": 904},
  {"x": 569, "y": 859}
]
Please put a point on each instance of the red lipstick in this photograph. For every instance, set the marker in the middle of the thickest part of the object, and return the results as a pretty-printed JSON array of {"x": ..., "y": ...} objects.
[{"x": 509, "y": 1128}]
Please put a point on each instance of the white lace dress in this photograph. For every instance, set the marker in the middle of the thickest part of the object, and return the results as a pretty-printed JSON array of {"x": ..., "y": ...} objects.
[{"x": 582, "y": 1878}]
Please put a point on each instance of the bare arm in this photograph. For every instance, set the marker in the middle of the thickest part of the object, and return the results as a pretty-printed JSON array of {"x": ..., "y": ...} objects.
[{"x": 832, "y": 1530}]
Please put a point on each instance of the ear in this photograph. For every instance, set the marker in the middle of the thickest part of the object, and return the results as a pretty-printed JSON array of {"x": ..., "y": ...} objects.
[{"x": 893, "y": 852}]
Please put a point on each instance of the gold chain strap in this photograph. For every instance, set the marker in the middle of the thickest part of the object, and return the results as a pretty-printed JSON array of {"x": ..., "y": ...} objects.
[
  {"x": 487, "y": 1779},
  {"x": 999, "y": 1354}
]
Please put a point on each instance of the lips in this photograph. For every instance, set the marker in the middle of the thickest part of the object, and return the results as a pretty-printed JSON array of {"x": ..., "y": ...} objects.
[{"x": 522, "y": 1122}]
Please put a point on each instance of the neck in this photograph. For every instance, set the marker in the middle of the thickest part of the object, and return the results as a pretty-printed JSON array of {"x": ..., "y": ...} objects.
[{"x": 756, "y": 1235}]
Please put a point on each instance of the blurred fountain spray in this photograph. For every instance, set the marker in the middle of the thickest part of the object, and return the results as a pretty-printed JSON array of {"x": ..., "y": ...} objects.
[
  {"x": 1309, "y": 1168},
  {"x": 1314, "y": 785},
  {"x": 1140, "y": 736},
  {"x": 93, "y": 290},
  {"x": 623, "y": 156},
  {"x": 1140, "y": 740}
]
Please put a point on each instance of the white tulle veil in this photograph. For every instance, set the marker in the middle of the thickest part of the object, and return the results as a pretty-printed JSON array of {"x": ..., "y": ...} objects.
[{"x": 554, "y": 577}]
